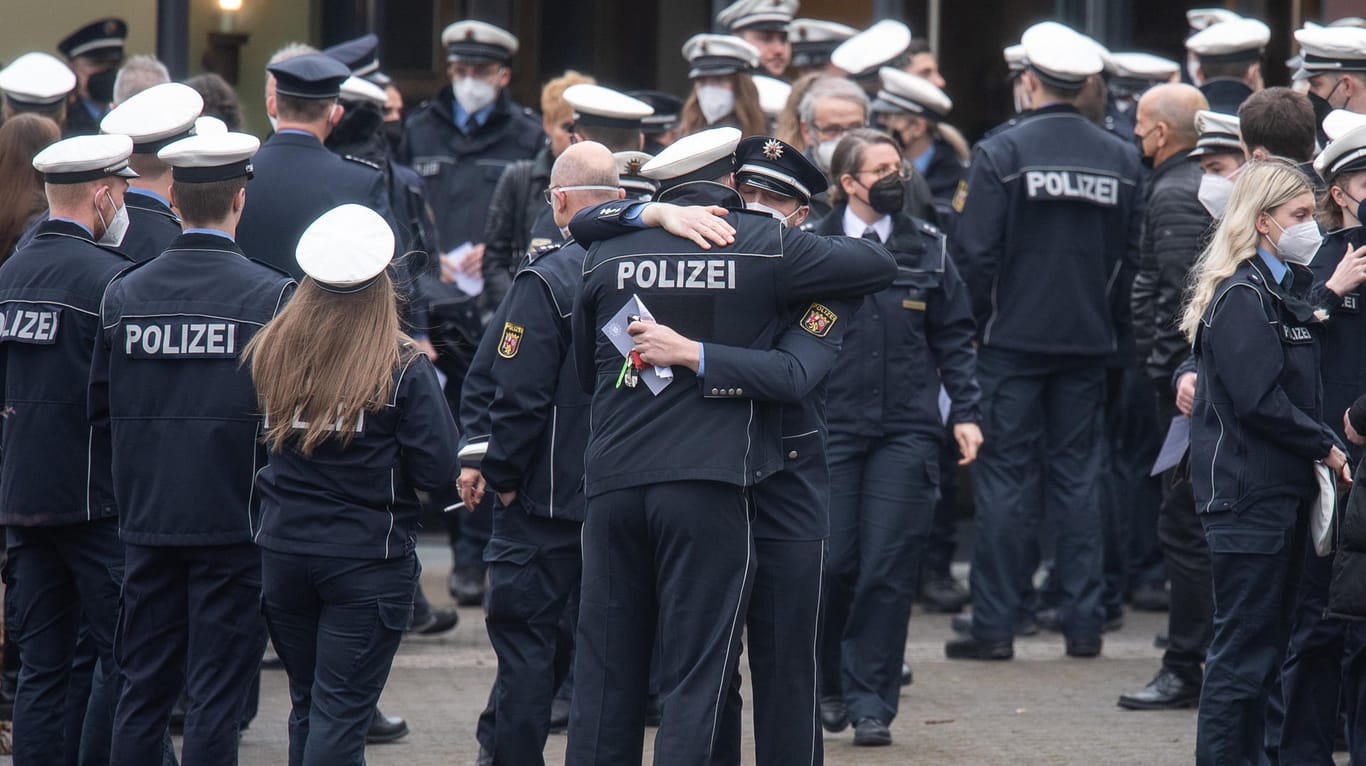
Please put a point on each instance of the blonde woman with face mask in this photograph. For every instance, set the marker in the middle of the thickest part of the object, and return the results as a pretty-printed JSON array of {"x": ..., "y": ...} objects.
[{"x": 1257, "y": 432}]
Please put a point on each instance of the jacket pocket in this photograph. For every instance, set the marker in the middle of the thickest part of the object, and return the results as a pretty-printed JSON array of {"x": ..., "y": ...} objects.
[{"x": 1258, "y": 542}]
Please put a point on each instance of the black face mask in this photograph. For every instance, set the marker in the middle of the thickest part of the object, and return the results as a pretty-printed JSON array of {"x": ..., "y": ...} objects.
[
  {"x": 888, "y": 195},
  {"x": 1321, "y": 108},
  {"x": 393, "y": 133},
  {"x": 101, "y": 86},
  {"x": 1143, "y": 158}
]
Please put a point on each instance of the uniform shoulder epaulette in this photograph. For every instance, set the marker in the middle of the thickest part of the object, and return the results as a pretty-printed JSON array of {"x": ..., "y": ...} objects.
[
  {"x": 363, "y": 161},
  {"x": 540, "y": 250},
  {"x": 272, "y": 267}
]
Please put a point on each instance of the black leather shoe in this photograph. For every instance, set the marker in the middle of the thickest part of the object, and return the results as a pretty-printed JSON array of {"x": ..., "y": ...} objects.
[
  {"x": 1151, "y": 598},
  {"x": 870, "y": 732},
  {"x": 969, "y": 648},
  {"x": 559, "y": 716},
  {"x": 1167, "y": 691},
  {"x": 385, "y": 728},
  {"x": 834, "y": 715},
  {"x": 485, "y": 758},
  {"x": 942, "y": 593},
  {"x": 907, "y": 677},
  {"x": 438, "y": 621},
  {"x": 962, "y": 624},
  {"x": 466, "y": 587},
  {"x": 1083, "y": 647},
  {"x": 1048, "y": 620}
]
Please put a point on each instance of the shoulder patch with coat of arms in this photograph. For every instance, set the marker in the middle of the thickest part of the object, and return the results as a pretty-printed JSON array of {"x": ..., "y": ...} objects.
[
  {"x": 818, "y": 320},
  {"x": 511, "y": 342},
  {"x": 960, "y": 196}
]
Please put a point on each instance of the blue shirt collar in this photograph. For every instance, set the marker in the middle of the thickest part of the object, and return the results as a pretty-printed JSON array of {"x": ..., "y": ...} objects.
[
  {"x": 1278, "y": 269},
  {"x": 922, "y": 163},
  {"x": 214, "y": 232},
  {"x": 295, "y": 132},
  {"x": 150, "y": 193},
  {"x": 76, "y": 223},
  {"x": 462, "y": 118}
]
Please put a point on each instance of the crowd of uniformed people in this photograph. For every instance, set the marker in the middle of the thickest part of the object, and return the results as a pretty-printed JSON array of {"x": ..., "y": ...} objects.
[{"x": 678, "y": 372}]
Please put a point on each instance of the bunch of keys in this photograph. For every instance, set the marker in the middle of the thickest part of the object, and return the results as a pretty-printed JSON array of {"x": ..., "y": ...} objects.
[{"x": 634, "y": 365}]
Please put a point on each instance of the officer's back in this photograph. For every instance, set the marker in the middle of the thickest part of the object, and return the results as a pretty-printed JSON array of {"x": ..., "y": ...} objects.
[{"x": 296, "y": 178}]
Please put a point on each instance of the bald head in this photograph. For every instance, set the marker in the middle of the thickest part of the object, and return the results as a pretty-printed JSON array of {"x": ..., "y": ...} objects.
[
  {"x": 1169, "y": 109},
  {"x": 586, "y": 163}
]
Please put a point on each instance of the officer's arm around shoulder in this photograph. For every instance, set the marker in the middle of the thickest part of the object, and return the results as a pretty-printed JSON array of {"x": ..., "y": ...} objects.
[
  {"x": 836, "y": 267},
  {"x": 602, "y": 221}
]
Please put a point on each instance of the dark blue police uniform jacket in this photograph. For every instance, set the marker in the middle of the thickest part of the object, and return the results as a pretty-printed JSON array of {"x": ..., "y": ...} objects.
[
  {"x": 1343, "y": 340},
  {"x": 738, "y": 296},
  {"x": 522, "y": 398},
  {"x": 359, "y": 500},
  {"x": 461, "y": 170},
  {"x": 56, "y": 467},
  {"x": 1256, "y": 425},
  {"x": 182, "y": 410},
  {"x": 1225, "y": 94},
  {"x": 1040, "y": 195},
  {"x": 296, "y": 179},
  {"x": 905, "y": 340},
  {"x": 151, "y": 226}
]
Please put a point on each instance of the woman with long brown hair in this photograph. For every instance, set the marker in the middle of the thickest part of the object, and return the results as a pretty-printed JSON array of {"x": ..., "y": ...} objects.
[
  {"x": 356, "y": 423},
  {"x": 21, "y": 187},
  {"x": 723, "y": 92}
]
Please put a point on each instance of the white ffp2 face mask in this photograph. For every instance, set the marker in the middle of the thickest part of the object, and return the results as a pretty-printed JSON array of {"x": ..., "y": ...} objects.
[
  {"x": 473, "y": 94},
  {"x": 760, "y": 207},
  {"x": 114, "y": 229},
  {"x": 715, "y": 102},
  {"x": 825, "y": 154},
  {"x": 1214, "y": 193},
  {"x": 1299, "y": 243}
]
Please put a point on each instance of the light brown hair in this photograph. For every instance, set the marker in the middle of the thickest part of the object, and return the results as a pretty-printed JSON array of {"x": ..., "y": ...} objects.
[
  {"x": 21, "y": 187},
  {"x": 849, "y": 156},
  {"x": 325, "y": 360},
  {"x": 747, "y": 116}
]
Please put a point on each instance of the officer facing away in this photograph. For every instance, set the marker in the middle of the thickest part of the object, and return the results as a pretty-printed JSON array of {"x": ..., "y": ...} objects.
[{"x": 1047, "y": 242}]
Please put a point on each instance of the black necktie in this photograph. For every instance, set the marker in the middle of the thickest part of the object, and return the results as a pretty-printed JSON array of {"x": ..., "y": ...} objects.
[{"x": 871, "y": 233}]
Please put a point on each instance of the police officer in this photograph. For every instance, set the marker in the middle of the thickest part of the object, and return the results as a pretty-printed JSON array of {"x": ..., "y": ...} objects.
[
  {"x": 1052, "y": 184},
  {"x": 1229, "y": 55},
  {"x": 154, "y": 118},
  {"x": 56, "y": 495},
  {"x": 1333, "y": 62},
  {"x": 1256, "y": 434},
  {"x": 1219, "y": 151},
  {"x": 524, "y": 407},
  {"x": 296, "y": 179},
  {"x": 813, "y": 40},
  {"x": 763, "y": 24},
  {"x": 94, "y": 53},
  {"x": 661, "y": 127},
  {"x": 636, "y": 185},
  {"x": 645, "y": 482},
  {"x": 791, "y": 520},
  {"x": 39, "y": 83},
  {"x": 885, "y": 434},
  {"x": 461, "y": 140},
  {"x": 912, "y": 110},
  {"x": 349, "y": 448},
  {"x": 166, "y": 379},
  {"x": 1320, "y": 667}
]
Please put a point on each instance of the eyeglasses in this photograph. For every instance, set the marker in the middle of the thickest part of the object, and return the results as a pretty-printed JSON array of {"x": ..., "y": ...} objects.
[
  {"x": 904, "y": 171},
  {"x": 549, "y": 194},
  {"x": 829, "y": 132}
]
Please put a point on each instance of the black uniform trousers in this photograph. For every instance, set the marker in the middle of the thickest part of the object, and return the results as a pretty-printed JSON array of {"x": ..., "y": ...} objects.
[
  {"x": 943, "y": 541},
  {"x": 534, "y": 565},
  {"x": 1190, "y": 619},
  {"x": 1319, "y": 670},
  {"x": 1026, "y": 399},
  {"x": 1256, "y": 556},
  {"x": 1132, "y": 499},
  {"x": 336, "y": 624},
  {"x": 190, "y": 619},
  {"x": 782, "y": 624},
  {"x": 677, "y": 555},
  {"x": 882, "y": 496},
  {"x": 61, "y": 578}
]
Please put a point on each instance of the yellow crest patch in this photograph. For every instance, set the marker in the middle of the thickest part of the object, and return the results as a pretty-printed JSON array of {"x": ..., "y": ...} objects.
[
  {"x": 511, "y": 342},
  {"x": 818, "y": 320},
  {"x": 960, "y": 196}
]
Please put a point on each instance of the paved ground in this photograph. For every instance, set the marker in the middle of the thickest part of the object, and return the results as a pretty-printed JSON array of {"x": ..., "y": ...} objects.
[{"x": 1040, "y": 708}]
